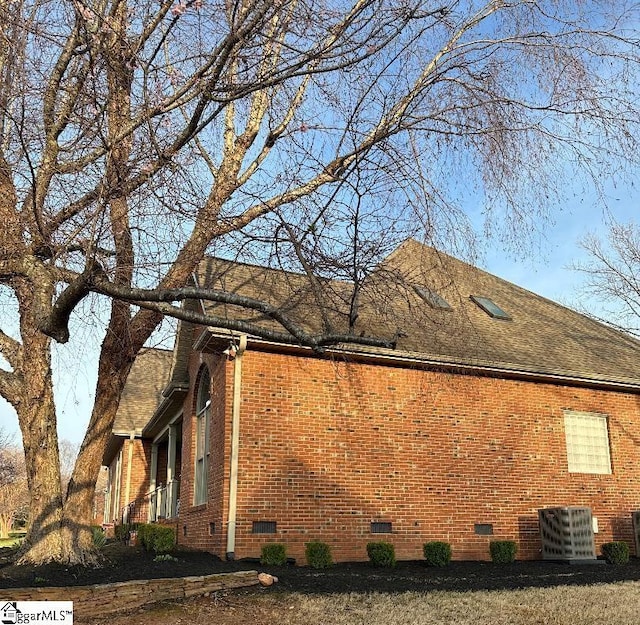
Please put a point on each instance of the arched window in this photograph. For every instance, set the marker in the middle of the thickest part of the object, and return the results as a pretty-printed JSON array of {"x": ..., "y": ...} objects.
[{"x": 203, "y": 419}]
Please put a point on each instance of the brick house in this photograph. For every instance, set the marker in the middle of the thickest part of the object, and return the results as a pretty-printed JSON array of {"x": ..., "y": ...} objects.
[{"x": 489, "y": 404}]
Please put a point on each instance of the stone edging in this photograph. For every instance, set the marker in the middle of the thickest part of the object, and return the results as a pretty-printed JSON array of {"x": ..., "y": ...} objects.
[{"x": 103, "y": 599}]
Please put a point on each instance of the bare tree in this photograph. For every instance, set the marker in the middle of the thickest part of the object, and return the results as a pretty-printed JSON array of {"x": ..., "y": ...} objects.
[
  {"x": 612, "y": 272},
  {"x": 136, "y": 138},
  {"x": 14, "y": 496}
]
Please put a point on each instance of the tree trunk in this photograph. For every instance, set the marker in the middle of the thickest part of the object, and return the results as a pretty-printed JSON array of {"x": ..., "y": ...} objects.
[
  {"x": 115, "y": 363},
  {"x": 48, "y": 538},
  {"x": 37, "y": 418}
]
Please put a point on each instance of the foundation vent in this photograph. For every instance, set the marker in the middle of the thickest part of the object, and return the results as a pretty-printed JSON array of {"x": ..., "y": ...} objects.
[
  {"x": 263, "y": 527},
  {"x": 381, "y": 527}
]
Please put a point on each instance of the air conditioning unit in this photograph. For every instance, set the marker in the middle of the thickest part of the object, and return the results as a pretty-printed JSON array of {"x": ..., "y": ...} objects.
[
  {"x": 567, "y": 534},
  {"x": 635, "y": 517}
]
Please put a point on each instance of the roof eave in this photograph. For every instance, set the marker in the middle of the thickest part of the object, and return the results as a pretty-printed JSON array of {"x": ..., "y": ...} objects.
[
  {"x": 214, "y": 339},
  {"x": 115, "y": 441},
  {"x": 173, "y": 397}
]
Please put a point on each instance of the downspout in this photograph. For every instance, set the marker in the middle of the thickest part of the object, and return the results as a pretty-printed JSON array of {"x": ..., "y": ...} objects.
[{"x": 235, "y": 445}]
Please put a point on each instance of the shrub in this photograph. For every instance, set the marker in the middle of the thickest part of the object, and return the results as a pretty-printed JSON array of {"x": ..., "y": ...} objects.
[
  {"x": 156, "y": 538},
  {"x": 144, "y": 533},
  {"x": 437, "y": 553},
  {"x": 164, "y": 539},
  {"x": 121, "y": 532},
  {"x": 616, "y": 552},
  {"x": 273, "y": 554},
  {"x": 318, "y": 555},
  {"x": 381, "y": 553},
  {"x": 98, "y": 536},
  {"x": 503, "y": 551}
]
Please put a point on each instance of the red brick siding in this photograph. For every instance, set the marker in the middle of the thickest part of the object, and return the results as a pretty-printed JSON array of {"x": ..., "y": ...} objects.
[
  {"x": 328, "y": 447},
  {"x": 197, "y": 520},
  {"x": 140, "y": 469}
]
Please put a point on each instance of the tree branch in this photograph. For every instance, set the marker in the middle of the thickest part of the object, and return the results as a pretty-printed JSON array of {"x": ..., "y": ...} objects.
[
  {"x": 156, "y": 300},
  {"x": 11, "y": 350}
]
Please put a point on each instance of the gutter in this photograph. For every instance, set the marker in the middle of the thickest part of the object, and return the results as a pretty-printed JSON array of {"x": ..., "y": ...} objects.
[
  {"x": 235, "y": 446},
  {"x": 402, "y": 358}
]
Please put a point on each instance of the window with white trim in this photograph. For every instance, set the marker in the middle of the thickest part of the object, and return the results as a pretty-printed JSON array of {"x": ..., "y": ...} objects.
[
  {"x": 587, "y": 437},
  {"x": 202, "y": 426}
]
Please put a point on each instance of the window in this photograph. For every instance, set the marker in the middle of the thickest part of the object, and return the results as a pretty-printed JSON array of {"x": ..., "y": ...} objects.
[
  {"x": 203, "y": 412},
  {"x": 490, "y": 307},
  {"x": 587, "y": 442},
  {"x": 431, "y": 297}
]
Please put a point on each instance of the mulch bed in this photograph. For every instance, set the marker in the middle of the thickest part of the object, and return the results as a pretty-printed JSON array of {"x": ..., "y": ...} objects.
[{"x": 123, "y": 563}]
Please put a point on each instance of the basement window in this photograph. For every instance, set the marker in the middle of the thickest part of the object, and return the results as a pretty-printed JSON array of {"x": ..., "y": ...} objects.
[
  {"x": 431, "y": 297},
  {"x": 264, "y": 527},
  {"x": 380, "y": 527},
  {"x": 490, "y": 307}
]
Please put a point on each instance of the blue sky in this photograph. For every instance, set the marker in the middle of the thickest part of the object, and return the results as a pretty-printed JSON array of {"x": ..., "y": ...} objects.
[{"x": 546, "y": 272}]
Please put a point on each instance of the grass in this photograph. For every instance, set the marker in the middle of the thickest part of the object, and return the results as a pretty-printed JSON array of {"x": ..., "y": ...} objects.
[
  {"x": 613, "y": 604},
  {"x": 9, "y": 542}
]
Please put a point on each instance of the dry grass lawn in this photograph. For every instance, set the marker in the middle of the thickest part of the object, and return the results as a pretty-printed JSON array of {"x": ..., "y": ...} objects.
[{"x": 608, "y": 604}]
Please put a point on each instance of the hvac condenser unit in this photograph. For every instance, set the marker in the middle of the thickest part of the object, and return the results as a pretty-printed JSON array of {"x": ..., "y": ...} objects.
[{"x": 567, "y": 534}]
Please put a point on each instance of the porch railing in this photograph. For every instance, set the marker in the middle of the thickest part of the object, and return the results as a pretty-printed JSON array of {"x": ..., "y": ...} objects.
[{"x": 161, "y": 503}]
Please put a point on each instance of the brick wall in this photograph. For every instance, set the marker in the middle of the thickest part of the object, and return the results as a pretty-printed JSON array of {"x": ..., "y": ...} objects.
[
  {"x": 327, "y": 448},
  {"x": 141, "y": 464},
  {"x": 204, "y": 526}
]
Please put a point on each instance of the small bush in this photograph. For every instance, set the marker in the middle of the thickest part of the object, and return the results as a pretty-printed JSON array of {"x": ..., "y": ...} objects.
[
  {"x": 503, "y": 551},
  {"x": 144, "y": 533},
  {"x": 165, "y": 557},
  {"x": 616, "y": 552},
  {"x": 164, "y": 539},
  {"x": 156, "y": 538},
  {"x": 121, "y": 532},
  {"x": 318, "y": 555},
  {"x": 273, "y": 554},
  {"x": 98, "y": 536},
  {"x": 381, "y": 553},
  {"x": 437, "y": 553}
]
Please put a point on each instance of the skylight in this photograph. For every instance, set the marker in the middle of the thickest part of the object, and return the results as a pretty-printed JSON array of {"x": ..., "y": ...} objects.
[
  {"x": 431, "y": 297},
  {"x": 490, "y": 307}
]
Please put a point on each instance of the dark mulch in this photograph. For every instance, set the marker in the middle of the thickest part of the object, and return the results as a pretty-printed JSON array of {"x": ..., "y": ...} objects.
[{"x": 126, "y": 563}]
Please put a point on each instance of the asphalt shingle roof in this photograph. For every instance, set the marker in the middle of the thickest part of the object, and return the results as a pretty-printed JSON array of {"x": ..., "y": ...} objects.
[
  {"x": 142, "y": 392},
  {"x": 542, "y": 336}
]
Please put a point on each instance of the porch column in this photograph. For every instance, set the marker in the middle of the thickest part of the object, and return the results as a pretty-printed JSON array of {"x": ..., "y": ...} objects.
[
  {"x": 171, "y": 470},
  {"x": 152, "y": 482}
]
